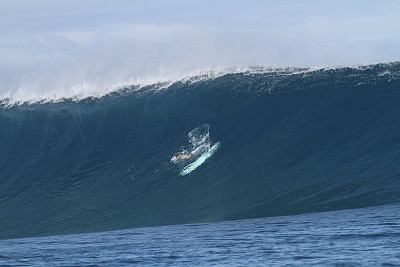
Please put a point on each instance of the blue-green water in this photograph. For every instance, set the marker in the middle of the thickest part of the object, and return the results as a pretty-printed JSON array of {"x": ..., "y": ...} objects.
[
  {"x": 292, "y": 142},
  {"x": 358, "y": 237}
]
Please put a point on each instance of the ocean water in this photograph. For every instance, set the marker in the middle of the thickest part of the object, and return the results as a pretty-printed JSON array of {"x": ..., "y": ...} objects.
[
  {"x": 358, "y": 237},
  {"x": 290, "y": 142}
]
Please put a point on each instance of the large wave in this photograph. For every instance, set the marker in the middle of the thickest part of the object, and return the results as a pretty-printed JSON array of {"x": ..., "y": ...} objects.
[{"x": 292, "y": 141}]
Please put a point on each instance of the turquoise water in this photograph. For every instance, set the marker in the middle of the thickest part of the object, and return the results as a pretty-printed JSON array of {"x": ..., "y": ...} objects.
[
  {"x": 94, "y": 177},
  {"x": 357, "y": 237},
  {"x": 292, "y": 141}
]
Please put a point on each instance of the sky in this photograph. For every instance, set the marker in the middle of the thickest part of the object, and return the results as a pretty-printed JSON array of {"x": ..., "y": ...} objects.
[{"x": 52, "y": 49}]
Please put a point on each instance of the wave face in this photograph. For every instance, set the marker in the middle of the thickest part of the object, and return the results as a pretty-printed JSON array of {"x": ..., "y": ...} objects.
[{"x": 292, "y": 141}]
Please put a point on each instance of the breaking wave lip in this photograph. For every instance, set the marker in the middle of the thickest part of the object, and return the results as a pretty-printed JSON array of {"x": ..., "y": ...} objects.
[{"x": 193, "y": 77}]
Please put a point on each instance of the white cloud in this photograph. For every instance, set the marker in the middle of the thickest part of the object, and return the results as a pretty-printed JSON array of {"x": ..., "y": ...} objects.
[{"x": 77, "y": 49}]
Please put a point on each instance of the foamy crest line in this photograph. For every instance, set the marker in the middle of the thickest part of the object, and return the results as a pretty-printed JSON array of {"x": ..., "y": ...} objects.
[
  {"x": 43, "y": 91},
  {"x": 98, "y": 89}
]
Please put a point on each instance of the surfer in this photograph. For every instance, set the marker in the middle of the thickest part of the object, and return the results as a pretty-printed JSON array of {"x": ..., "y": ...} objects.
[
  {"x": 186, "y": 156},
  {"x": 192, "y": 153}
]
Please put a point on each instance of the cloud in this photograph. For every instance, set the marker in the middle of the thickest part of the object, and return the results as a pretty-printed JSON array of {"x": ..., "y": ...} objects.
[{"x": 76, "y": 48}]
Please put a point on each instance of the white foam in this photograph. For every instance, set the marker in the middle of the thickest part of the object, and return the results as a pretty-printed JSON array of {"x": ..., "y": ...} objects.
[
  {"x": 194, "y": 165},
  {"x": 31, "y": 93}
]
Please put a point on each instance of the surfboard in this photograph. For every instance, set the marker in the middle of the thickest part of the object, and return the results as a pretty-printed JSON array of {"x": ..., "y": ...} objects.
[{"x": 200, "y": 160}]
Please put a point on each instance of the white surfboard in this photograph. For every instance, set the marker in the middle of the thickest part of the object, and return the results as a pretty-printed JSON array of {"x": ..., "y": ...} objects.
[{"x": 200, "y": 160}]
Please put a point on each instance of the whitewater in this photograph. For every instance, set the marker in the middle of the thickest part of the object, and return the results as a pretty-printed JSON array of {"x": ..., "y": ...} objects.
[{"x": 315, "y": 149}]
